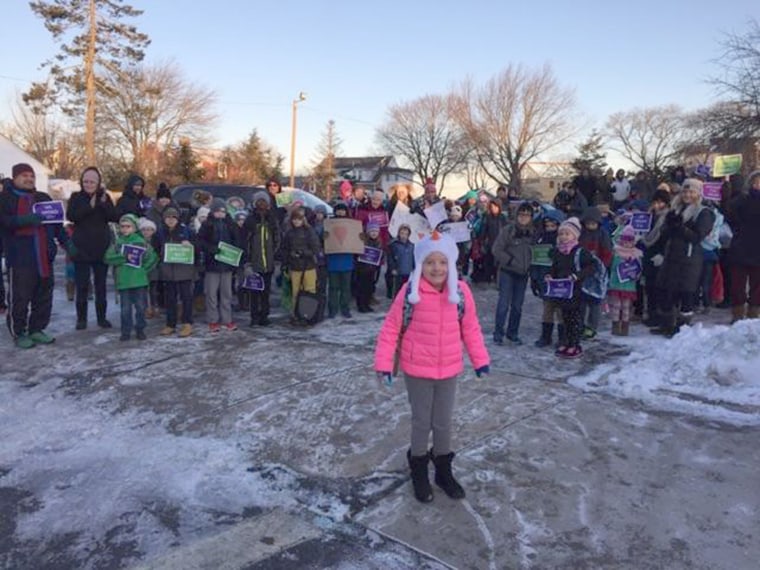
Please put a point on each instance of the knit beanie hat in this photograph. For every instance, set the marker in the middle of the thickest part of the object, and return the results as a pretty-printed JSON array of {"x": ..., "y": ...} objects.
[
  {"x": 129, "y": 219},
  {"x": 218, "y": 204},
  {"x": 525, "y": 207},
  {"x": 145, "y": 224},
  {"x": 261, "y": 195},
  {"x": 340, "y": 206},
  {"x": 573, "y": 225},
  {"x": 21, "y": 168},
  {"x": 435, "y": 242},
  {"x": 627, "y": 236},
  {"x": 163, "y": 191},
  {"x": 373, "y": 226},
  {"x": 170, "y": 213},
  {"x": 693, "y": 184}
]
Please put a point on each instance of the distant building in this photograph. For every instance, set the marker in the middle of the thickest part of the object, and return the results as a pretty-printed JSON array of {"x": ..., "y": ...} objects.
[
  {"x": 542, "y": 180},
  {"x": 371, "y": 171},
  {"x": 11, "y": 154}
]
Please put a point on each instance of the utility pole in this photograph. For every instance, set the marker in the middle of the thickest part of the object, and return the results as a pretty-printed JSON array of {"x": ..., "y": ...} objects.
[
  {"x": 89, "y": 72},
  {"x": 330, "y": 156},
  {"x": 301, "y": 98}
]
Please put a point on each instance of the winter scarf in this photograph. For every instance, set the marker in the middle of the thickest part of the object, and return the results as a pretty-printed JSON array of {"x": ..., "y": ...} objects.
[
  {"x": 38, "y": 233},
  {"x": 567, "y": 247}
]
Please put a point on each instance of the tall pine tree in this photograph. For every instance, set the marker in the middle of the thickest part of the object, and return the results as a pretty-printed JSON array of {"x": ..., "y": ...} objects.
[
  {"x": 94, "y": 38},
  {"x": 591, "y": 155}
]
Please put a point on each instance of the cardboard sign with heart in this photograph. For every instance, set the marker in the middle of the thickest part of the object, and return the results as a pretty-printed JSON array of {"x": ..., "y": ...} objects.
[{"x": 343, "y": 235}]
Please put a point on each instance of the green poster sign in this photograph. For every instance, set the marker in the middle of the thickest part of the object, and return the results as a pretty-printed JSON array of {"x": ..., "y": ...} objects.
[
  {"x": 540, "y": 255},
  {"x": 726, "y": 165},
  {"x": 284, "y": 199},
  {"x": 229, "y": 254},
  {"x": 179, "y": 253}
]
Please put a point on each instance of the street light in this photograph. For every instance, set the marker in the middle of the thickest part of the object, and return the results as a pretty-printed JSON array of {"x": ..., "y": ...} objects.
[{"x": 301, "y": 97}]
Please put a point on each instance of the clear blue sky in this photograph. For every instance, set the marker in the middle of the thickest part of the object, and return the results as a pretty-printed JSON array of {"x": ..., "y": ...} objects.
[{"x": 356, "y": 58}]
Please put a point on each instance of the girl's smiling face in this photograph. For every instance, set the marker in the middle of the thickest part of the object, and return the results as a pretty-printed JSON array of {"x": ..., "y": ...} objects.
[
  {"x": 564, "y": 235},
  {"x": 435, "y": 269}
]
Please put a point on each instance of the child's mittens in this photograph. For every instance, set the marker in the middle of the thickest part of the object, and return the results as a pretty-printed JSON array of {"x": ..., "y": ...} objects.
[
  {"x": 384, "y": 379},
  {"x": 482, "y": 371}
]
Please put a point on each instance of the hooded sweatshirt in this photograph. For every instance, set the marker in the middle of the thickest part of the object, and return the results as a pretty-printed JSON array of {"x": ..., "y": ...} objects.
[{"x": 131, "y": 202}]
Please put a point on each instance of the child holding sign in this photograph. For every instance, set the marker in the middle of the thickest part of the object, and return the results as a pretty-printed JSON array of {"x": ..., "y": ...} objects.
[
  {"x": 626, "y": 272},
  {"x": 177, "y": 272},
  {"x": 368, "y": 268},
  {"x": 564, "y": 269},
  {"x": 219, "y": 238},
  {"x": 134, "y": 259}
]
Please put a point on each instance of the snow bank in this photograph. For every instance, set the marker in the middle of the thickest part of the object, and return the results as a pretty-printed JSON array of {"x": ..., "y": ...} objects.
[{"x": 712, "y": 372}]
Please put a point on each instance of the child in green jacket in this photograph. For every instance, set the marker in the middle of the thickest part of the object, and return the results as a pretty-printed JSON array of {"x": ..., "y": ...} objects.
[{"x": 134, "y": 258}]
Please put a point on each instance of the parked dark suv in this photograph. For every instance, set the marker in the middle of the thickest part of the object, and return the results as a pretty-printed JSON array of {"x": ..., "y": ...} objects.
[{"x": 183, "y": 196}]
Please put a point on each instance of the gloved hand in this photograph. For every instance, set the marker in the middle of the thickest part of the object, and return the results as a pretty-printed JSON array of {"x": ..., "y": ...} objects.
[
  {"x": 483, "y": 370},
  {"x": 657, "y": 260},
  {"x": 674, "y": 220},
  {"x": 535, "y": 287},
  {"x": 30, "y": 220},
  {"x": 384, "y": 378},
  {"x": 248, "y": 270}
]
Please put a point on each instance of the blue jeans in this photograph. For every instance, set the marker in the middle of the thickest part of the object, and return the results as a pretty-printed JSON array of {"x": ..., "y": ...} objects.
[
  {"x": 129, "y": 298},
  {"x": 511, "y": 297}
]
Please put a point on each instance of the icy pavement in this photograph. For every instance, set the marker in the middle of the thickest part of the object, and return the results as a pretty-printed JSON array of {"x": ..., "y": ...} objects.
[{"x": 274, "y": 448}]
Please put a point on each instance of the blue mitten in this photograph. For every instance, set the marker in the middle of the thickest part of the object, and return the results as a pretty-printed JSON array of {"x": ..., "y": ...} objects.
[
  {"x": 483, "y": 370},
  {"x": 385, "y": 378}
]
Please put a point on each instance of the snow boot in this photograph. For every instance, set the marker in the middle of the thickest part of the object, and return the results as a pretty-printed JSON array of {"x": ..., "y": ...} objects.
[
  {"x": 546, "y": 335},
  {"x": 738, "y": 313},
  {"x": 625, "y": 328},
  {"x": 423, "y": 492},
  {"x": 443, "y": 476},
  {"x": 100, "y": 311},
  {"x": 71, "y": 289},
  {"x": 561, "y": 340},
  {"x": 753, "y": 312},
  {"x": 81, "y": 316},
  {"x": 617, "y": 328}
]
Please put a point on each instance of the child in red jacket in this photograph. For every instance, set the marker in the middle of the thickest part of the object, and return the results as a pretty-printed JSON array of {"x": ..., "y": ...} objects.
[{"x": 430, "y": 318}]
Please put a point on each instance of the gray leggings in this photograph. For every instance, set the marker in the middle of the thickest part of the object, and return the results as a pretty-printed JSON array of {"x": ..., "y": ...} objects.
[{"x": 432, "y": 404}]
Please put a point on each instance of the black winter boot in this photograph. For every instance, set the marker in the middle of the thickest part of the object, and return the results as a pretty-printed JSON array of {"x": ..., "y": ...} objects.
[
  {"x": 103, "y": 322},
  {"x": 423, "y": 492},
  {"x": 443, "y": 476},
  {"x": 546, "y": 335},
  {"x": 81, "y": 316}
]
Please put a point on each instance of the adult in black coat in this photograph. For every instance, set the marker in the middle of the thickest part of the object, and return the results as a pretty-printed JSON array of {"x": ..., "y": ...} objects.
[
  {"x": 686, "y": 225},
  {"x": 744, "y": 253},
  {"x": 133, "y": 200},
  {"x": 587, "y": 184},
  {"x": 90, "y": 210}
]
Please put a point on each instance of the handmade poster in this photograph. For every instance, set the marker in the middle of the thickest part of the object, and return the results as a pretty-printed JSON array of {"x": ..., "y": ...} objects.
[
  {"x": 399, "y": 217},
  {"x": 145, "y": 203},
  {"x": 420, "y": 227},
  {"x": 471, "y": 215},
  {"x": 343, "y": 235},
  {"x": 51, "y": 212},
  {"x": 283, "y": 199},
  {"x": 629, "y": 270},
  {"x": 559, "y": 288},
  {"x": 229, "y": 254},
  {"x": 436, "y": 213},
  {"x": 539, "y": 255},
  {"x": 379, "y": 218},
  {"x": 179, "y": 253},
  {"x": 134, "y": 254},
  {"x": 641, "y": 221},
  {"x": 726, "y": 165},
  {"x": 371, "y": 255},
  {"x": 712, "y": 191},
  {"x": 253, "y": 282},
  {"x": 702, "y": 170},
  {"x": 459, "y": 231}
]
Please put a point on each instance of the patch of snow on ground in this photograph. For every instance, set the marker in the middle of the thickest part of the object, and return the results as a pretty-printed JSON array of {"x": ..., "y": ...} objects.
[{"x": 709, "y": 372}]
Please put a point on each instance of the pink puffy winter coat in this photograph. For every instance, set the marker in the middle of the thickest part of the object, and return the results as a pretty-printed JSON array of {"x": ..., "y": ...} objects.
[{"x": 432, "y": 345}]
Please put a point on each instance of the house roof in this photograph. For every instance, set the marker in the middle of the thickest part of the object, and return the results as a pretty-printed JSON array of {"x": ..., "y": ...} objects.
[{"x": 349, "y": 162}]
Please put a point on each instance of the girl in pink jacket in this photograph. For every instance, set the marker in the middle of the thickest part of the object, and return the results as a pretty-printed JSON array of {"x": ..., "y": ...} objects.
[{"x": 440, "y": 316}]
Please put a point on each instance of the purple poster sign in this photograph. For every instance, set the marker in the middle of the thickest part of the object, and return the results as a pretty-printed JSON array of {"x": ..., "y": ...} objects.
[
  {"x": 371, "y": 255},
  {"x": 702, "y": 170},
  {"x": 471, "y": 215},
  {"x": 134, "y": 254},
  {"x": 51, "y": 212},
  {"x": 253, "y": 282},
  {"x": 559, "y": 288},
  {"x": 379, "y": 218},
  {"x": 145, "y": 204},
  {"x": 629, "y": 270},
  {"x": 641, "y": 221},
  {"x": 712, "y": 191}
]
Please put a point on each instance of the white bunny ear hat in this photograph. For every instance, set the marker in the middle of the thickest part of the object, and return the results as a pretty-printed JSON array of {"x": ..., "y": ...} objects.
[{"x": 447, "y": 246}]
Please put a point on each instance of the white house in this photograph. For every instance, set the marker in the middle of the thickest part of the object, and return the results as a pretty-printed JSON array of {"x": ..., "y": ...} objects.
[
  {"x": 372, "y": 171},
  {"x": 11, "y": 154}
]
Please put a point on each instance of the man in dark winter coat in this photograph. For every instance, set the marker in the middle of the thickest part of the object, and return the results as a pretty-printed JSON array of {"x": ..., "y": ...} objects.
[
  {"x": 744, "y": 253},
  {"x": 586, "y": 184},
  {"x": 30, "y": 250},
  {"x": 262, "y": 242},
  {"x": 163, "y": 201},
  {"x": 133, "y": 200}
]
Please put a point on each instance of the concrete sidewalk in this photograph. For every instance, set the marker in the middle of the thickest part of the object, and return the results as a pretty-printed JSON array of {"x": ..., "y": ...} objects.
[{"x": 555, "y": 478}]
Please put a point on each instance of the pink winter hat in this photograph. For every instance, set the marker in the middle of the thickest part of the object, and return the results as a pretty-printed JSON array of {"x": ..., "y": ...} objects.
[{"x": 573, "y": 225}]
